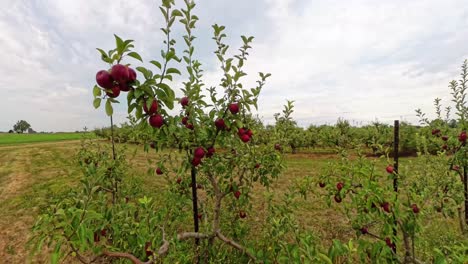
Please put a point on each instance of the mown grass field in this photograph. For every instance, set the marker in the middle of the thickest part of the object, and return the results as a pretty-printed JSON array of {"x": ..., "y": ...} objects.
[
  {"x": 30, "y": 175},
  {"x": 13, "y": 139}
]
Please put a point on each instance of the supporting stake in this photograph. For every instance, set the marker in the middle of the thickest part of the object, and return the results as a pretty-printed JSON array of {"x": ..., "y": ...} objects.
[
  {"x": 396, "y": 143},
  {"x": 195, "y": 210},
  {"x": 465, "y": 186},
  {"x": 195, "y": 202}
]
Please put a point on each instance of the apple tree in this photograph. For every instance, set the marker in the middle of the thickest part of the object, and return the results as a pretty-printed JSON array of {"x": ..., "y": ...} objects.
[{"x": 210, "y": 178}]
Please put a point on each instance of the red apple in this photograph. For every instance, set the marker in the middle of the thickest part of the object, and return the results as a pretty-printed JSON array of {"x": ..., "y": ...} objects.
[
  {"x": 104, "y": 79},
  {"x": 277, "y": 146},
  {"x": 124, "y": 87},
  {"x": 321, "y": 184},
  {"x": 241, "y": 131},
  {"x": 114, "y": 92},
  {"x": 415, "y": 208},
  {"x": 257, "y": 165},
  {"x": 153, "y": 108},
  {"x": 147, "y": 249},
  {"x": 237, "y": 194},
  {"x": 249, "y": 133},
  {"x": 339, "y": 186},
  {"x": 445, "y": 138},
  {"x": 196, "y": 161},
  {"x": 120, "y": 73},
  {"x": 132, "y": 75},
  {"x": 200, "y": 216},
  {"x": 390, "y": 244},
  {"x": 184, "y": 120},
  {"x": 338, "y": 198},
  {"x": 364, "y": 230},
  {"x": 156, "y": 121},
  {"x": 435, "y": 131},
  {"x": 462, "y": 136},
  {"x": 245, "y": 138},
  {"x": 220, "y": 125},
  {"x": 184, "y": 101},
  {"x": 210, "y": 152},
  {"x": 159, "y": 171},
  {"x": 386, "y": 206},
  {"x": 179, "y": 180},
  {"x": 444, "y": 147},
  {"x": 388, "y": 241},
  {"x": 189, "y": 126},
  {"x": 152, "y": 145},
  {"x": 242, "y": 214},
  {"x": 199, "y": 152},
  {"x": 234, "y": 108},
  {"x": 389, "y": 169}
]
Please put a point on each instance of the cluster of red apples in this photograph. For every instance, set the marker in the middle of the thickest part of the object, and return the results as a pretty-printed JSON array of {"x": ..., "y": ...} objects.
[
  {"x": 462, "y": 137},
  {"x": 119, "y": 79}
]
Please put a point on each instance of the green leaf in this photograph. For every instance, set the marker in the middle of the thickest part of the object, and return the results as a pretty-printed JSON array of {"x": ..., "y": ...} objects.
[
  {"x": 103, "y": 53},
  {"x": 173, "y": 70},
  {"x": 135, "y": 56},
  {"x": 132, "y": 107},
  {"x": 156, "y": 63},
  {"x": 127, "y": 44},
  {"x": 96, "y": 91},
  {"x": 104, "y": 56},
  {"x": 176, "y": 13},
  {"x": 97, "y": 103},
  {"x": 109, "y": 109},
  {"x": 167, "y": 90},
  {"x": 120, "y": 44},
  {"x": 147, "y": 73}
]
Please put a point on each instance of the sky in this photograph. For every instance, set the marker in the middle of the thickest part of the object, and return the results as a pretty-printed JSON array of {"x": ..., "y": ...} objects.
[{"x": 362, "y": 60}]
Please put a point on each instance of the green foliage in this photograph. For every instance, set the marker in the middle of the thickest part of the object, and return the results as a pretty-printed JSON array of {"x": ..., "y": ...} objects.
[{"x": 21, "y": 126}]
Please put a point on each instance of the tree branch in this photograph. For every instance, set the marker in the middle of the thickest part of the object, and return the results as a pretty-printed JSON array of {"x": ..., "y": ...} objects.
[
  {"x": 165, "y": 246},
  {"x": 128, "y": 256},
  {"x": 217, "y": 208},
  {"x": 187, "y": 235},
  {"x": 234, "y": 245}
]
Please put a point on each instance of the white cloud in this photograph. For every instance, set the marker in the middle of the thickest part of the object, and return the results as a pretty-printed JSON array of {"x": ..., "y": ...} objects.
[
  {"x": 367, "y": 59},
  {"x": 359, "y": 59}
]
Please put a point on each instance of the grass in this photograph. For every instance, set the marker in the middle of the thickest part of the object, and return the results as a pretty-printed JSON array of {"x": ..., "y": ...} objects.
[
  {"x": 31, "y": 174},
  {"x": 14, "y": 139}
]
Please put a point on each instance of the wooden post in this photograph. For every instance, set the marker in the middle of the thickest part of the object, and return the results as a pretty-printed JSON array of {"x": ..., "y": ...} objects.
[
  {"x": 465, "y": 186},
  {"x": 396, "y": 143},
  {"x": 195, "y": 202}
]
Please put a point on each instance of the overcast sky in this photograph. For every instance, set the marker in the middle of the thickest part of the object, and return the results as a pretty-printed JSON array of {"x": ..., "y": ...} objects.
[{"x": 361, "y": 60}]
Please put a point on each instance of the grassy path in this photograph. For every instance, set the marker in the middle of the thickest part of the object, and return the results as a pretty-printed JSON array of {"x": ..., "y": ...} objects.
[{"x": 28, "y": 175}]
